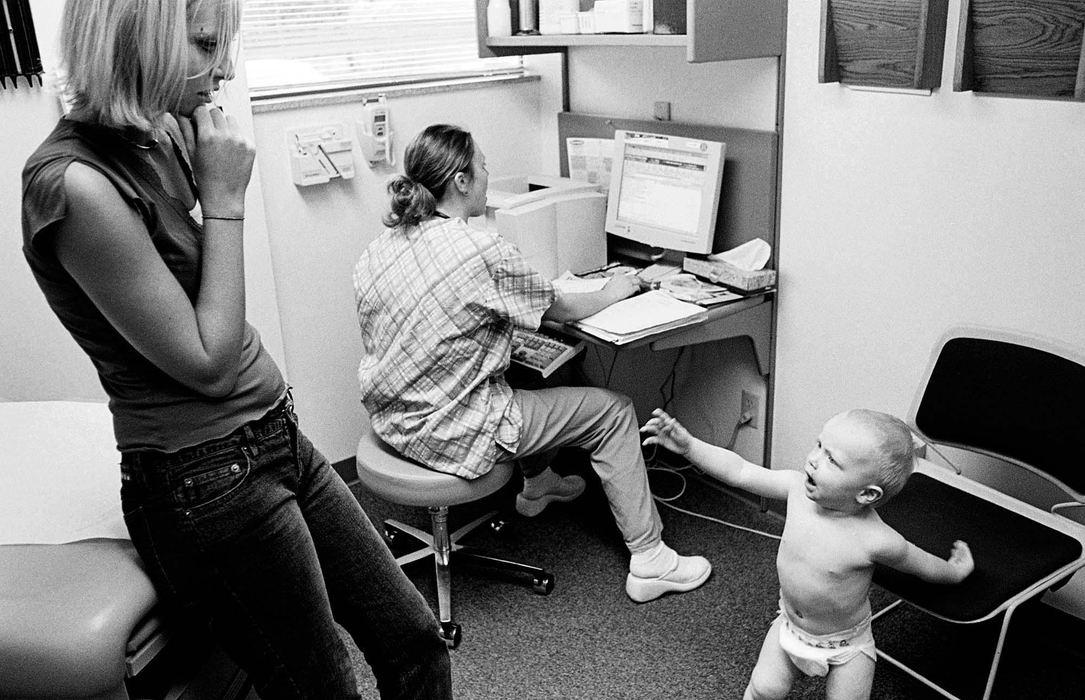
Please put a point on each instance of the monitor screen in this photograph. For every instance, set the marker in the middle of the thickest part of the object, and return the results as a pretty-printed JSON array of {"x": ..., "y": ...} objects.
[{"x": 665, "y": 190}]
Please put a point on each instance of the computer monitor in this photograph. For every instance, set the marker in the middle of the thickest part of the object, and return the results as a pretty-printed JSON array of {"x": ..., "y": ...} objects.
[{"x": 665, "y": 190}]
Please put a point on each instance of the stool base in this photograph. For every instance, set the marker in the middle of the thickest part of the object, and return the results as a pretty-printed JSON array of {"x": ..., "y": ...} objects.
[{"x": 444, "y": 547}]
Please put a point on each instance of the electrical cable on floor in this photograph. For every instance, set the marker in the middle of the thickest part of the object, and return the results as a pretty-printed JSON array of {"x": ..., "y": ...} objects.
[{"x": 652, "y": 465}]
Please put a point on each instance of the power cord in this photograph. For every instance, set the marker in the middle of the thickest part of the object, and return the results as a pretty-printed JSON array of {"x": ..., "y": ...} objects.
[
  {"x": 745, "y": 419},
  {"x": 655, "y": 464},
  {"x": 668, "y": 397}
]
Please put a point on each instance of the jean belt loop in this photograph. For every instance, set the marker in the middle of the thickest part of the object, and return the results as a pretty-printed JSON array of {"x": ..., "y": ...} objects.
[{"x": 251, "y": 442}]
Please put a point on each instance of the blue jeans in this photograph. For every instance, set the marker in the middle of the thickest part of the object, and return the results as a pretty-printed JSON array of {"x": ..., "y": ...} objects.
[{"x": 257, "y": 532}]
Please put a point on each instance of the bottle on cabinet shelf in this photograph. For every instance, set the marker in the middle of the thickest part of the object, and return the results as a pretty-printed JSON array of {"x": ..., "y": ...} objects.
[
  {"x": 499, "y": 18},
  {"x": 529, "y": 17}
]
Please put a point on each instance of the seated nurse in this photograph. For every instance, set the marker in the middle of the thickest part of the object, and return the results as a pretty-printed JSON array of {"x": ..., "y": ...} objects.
[{"x": 437, "y": 301}]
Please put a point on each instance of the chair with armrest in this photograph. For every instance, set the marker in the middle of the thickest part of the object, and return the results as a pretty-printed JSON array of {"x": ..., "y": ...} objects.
[
  {"x": 382, "y": 471},
  {"x": 1018, "y": 400}
]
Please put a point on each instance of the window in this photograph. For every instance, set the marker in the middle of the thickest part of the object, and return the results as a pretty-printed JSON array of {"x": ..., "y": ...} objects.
[{"x": 307, "y": 46}]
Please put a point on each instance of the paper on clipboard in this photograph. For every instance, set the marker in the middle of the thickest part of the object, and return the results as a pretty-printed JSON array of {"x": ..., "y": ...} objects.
[{"x": 649, "y": 311}]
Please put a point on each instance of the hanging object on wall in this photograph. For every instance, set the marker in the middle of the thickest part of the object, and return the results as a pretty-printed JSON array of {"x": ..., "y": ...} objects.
[
  {"x": 882, "y": 43},
  {"x": 19, "y": 55},
  {"x": 1027, "y": 48}
]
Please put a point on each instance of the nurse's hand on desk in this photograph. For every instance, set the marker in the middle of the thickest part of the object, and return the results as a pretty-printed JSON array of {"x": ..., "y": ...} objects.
[{"x": 622, "y": 286}]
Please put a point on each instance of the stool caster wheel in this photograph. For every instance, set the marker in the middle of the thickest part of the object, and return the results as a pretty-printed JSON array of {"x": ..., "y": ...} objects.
[
  {"x": 497, "y": 525},
  {"x": 389, "y": 535},
  {"x": 543, "y": 583},
  {"x": 452, "y": 634}
]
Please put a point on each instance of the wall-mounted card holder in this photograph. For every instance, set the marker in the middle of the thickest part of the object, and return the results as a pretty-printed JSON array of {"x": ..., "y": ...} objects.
[
  {"x": 884, "y": 44},
  {"x": 1026, "y": 48}
]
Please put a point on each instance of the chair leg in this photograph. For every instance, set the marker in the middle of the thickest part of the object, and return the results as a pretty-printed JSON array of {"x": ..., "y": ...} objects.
[
  {"x": 998, "y": 650},
  {"x": 444, "y": 547},
  {"x": 442, "y": 552},
  {"x": 934, "y": 686},
  {"x": 393, "y": 530},
  {"x": 542, "y": 582}
]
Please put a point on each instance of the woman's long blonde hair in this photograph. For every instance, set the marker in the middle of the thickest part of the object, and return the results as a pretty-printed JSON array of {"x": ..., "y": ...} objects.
[{"x": 125, "y": 62}]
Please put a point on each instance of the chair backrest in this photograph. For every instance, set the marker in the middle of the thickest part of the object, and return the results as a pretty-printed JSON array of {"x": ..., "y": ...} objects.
[{"x": 1014, "y": 397}]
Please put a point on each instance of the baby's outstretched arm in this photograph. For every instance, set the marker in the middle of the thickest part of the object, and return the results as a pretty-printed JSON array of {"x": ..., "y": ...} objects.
[
  {"x": 960, "y": 560},
  {"x": 667, "y": 432},
  {"x": 905, "y": 556},
  {"x": 718, "y": 462}
]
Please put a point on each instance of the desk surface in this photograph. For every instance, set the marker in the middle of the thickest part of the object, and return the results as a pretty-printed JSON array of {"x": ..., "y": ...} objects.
[{"x": 749, "y": 316}]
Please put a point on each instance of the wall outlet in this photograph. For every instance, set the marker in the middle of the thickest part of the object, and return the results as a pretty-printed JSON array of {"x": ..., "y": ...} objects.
[{"x": 751, "y": 404}]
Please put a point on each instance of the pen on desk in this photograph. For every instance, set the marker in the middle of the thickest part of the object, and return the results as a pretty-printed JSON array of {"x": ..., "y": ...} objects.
[{"x": 597, "y": 270}]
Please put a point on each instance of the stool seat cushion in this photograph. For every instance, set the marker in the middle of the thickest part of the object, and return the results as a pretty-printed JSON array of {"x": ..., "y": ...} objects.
[
  {"x": 66, "y": 613},
  {"x": 399, "y": 480}
]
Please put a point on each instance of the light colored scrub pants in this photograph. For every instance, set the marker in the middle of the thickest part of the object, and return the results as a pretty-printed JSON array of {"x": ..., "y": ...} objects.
[{"x": 604, "y": 423}]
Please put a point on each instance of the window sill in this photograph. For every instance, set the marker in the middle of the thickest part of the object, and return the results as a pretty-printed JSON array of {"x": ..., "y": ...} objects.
[{"x": 279, "y": 103}]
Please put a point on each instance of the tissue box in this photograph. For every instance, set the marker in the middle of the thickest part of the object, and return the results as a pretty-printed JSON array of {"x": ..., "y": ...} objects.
[{"x": 742, "y": 281}]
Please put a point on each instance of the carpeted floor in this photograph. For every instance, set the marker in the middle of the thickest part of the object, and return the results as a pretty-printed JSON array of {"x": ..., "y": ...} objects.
[{"x": 588, "y": 640}]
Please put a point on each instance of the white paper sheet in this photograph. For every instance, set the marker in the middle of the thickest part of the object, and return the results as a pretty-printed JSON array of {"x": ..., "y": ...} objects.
[
  {"x": 59, "y": 473},
  {"x": 590, "y": 160},
  {"x": 751, "y": 255},
  {"x": 641, "y": 312}
]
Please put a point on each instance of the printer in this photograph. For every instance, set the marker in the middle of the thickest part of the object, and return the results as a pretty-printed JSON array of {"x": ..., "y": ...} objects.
[{"x": 556, "y": 222}]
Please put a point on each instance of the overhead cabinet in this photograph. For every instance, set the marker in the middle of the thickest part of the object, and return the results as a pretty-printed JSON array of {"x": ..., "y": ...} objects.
[{"x": 716, "y": 30}]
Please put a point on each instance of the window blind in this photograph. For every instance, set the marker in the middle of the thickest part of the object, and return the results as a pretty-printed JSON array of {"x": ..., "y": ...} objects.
[{"x": 299, "y": 46}]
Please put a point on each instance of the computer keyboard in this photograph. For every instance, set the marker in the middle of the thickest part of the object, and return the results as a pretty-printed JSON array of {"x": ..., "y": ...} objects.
[{"x": 543, "y": 351}]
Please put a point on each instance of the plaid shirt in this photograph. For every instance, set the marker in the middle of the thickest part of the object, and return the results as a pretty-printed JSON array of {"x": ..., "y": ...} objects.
[{"x": 437, "y": 304}]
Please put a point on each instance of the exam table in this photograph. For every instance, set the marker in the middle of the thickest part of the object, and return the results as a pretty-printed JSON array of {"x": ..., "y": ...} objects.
[{"x": 78, "y": 616}]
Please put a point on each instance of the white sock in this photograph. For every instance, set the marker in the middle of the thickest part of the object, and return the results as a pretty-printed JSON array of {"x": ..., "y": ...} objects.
[{"x": 654, "y": 562}]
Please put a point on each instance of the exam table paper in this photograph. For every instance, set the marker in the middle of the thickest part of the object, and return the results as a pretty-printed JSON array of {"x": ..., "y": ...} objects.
[{"x": 59, "y": 473}]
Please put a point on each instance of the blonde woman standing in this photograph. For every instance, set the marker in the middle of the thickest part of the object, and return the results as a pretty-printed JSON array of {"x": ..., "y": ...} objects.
[{"x": 133, "y": 222}]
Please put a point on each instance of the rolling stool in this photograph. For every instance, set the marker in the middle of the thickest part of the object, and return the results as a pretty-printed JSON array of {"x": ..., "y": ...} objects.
[{"x": 385, "y": 473}]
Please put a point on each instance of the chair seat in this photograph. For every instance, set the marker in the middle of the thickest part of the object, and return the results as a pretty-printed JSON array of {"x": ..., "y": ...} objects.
[
  {"x": 389, "y": 475},
  {"x": 66, "y": 614},
  {"x": 1012, "y": 552}
]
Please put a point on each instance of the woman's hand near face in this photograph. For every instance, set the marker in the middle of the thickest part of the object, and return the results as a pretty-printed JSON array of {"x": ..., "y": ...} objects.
[{"x": 222, "y": 160}]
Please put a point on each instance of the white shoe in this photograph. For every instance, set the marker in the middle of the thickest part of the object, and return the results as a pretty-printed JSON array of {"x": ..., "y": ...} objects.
[
  {"x": 567, "y": 488},
  {"x": 687, "y": 574}
]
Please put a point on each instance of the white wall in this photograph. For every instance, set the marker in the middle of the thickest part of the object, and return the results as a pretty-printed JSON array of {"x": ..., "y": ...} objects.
[
  {"x": 903, "y": 215},
  {"x": 626, "y": 82},
  {"x": 41, "y": 361}
]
